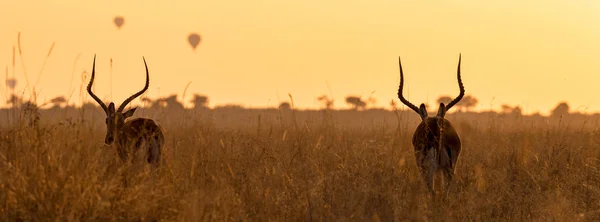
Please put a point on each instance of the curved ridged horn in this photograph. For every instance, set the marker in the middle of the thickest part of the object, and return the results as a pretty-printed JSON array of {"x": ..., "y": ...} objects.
[
  {"x": 122, "y": 106},
  {"x": 460, "y": 85},
  {"x": 89, "y": 88},
  {"x": 400, "y": 96}
]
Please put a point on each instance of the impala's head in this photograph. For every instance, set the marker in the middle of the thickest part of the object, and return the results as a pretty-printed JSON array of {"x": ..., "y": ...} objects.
[
  {"x": 422, "y": 110},
  {"x": 115, "y": 119}
]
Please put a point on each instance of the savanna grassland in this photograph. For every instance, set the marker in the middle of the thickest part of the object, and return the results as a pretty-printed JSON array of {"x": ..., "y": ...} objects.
[{"x": 233, "y": 164}]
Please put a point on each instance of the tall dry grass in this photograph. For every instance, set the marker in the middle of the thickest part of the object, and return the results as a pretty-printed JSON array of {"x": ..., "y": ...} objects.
[{"x": 235, "y": 164}]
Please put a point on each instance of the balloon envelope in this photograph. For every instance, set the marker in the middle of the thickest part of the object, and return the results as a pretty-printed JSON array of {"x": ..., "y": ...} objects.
[
  {"x": 119, "y": 20},
  {"x": 194, "y": 40},
  {"x": 11, "y": 83}
]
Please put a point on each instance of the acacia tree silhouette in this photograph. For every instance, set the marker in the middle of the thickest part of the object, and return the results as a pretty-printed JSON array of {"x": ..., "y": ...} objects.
[
  {"x": 507, "y": 109},
  {"x": 356, "y": 102},
  {"x": 57, "y": 101},
  {"x": 467, "y": 102},
  {"x": 326, "y": 101},
  {"x": 200, "y": 101},
  {"x": 172, "y": 102},
  {"x": 285, "y": 106},
  {"x": 561, "y": 109},
  {"x": 444, "y": 99}
]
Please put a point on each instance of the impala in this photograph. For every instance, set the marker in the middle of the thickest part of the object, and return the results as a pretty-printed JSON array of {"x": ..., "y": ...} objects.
[
  {"x": 435, "y": 141},
  {"x": 133, "y": 135}
]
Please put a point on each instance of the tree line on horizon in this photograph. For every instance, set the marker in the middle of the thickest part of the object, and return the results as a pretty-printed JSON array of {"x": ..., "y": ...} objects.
[{"x": 198, "y": 101}]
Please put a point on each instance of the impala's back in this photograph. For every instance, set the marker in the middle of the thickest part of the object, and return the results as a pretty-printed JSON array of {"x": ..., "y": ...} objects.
[{"x": 143, "y": 134}]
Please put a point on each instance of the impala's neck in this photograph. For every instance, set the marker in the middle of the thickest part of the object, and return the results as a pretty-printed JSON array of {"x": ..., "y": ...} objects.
[{"x": 120, "y": 135}]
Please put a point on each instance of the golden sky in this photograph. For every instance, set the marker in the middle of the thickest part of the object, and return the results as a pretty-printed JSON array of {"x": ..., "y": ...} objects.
[{"x": 532, "y": 53}]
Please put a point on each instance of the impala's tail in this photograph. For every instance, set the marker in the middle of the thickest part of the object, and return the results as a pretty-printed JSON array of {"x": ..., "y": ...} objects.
[
  {"x": 431, "y": 166},
  {"x": 154, "y": 151}
]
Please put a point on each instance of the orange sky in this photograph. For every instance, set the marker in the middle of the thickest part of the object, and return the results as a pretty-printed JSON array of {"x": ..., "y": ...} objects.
[{"x": 531, "y": 53}]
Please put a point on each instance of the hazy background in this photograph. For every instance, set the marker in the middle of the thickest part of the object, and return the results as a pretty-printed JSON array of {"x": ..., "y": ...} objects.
[{"x": 529, "y": 53}]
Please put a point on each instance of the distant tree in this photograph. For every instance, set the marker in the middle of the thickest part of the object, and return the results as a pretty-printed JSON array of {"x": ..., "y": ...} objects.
[
  {"x": 356, "y": 102},
  {"x": 57, "y": 101},
  {"x": 326, "y": 101},
  {"x": 171, "y": 102},
  {"x": 467, "y": 102},
  {"x": 560, "y": 110},
  {"x": 444, "y": 99},
  {"x": 285, "y": 106},
  {"x": 200, "y": 101},
  {"x": 516, "y": 110}
]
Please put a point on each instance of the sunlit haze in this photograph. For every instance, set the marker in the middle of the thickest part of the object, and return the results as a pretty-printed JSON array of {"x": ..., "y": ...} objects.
[{"x": 529, "y": 53}]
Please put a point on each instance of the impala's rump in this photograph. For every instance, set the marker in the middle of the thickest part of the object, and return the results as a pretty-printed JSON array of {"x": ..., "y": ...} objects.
[{"x": 439, "y": 135}]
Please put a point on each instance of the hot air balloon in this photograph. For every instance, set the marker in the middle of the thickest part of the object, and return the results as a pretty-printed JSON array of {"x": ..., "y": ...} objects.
[
  {"x": 194, "y": 40},
  {"x": 11, "y": 83},
  {"x": 119, "y": 20}
]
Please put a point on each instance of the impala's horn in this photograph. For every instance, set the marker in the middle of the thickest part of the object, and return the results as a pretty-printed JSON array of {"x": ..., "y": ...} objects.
[
  {"x": 460, "y": 86},
  {"x": 89, "y": 88},
  {"x": 128, "y": 100},
  {"x": 422, "y": 112}
]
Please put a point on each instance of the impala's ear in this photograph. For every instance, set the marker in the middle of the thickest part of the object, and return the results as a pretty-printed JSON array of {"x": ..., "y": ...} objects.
[
  {"x": 129, "y": 113},
  {"x": 423, "y": 111},
  {"x": 442, "y": 110},
  {"x": 111, "y": 107}
]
